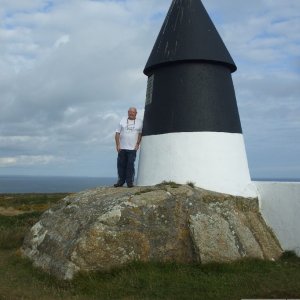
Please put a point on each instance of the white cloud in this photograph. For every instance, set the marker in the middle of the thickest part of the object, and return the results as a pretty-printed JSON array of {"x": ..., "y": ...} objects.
[
  {"x": 65, "y": 39},
  {"x": 28, "y": 160}
]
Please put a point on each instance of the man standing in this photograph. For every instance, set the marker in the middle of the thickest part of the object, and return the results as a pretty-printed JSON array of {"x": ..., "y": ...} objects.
[{"x": 128, "y": 138}]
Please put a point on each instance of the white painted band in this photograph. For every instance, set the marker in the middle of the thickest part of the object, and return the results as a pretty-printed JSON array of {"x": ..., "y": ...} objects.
[{"x": 214, "y": 161}]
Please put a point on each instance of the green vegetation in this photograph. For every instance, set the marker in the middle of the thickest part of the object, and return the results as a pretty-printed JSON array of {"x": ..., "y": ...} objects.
[
  {"x": 26, "y": 210},
  {"x": 13, "y": 229},
  {"x": 191, "y": 184},
  {"x": 144, "y": 191},
  {"x": 172, "y": 184},
  {"x": 243, "y": 279},
  {"x": 30, "y": 202}
]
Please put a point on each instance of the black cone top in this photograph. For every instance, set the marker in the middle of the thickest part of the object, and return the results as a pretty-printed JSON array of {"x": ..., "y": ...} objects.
[{"x": 188, "y": 34}]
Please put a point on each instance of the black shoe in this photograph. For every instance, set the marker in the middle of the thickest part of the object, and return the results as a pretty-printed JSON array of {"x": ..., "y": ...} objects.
[
  {"x": 118, "y": 184},
  {"x": 130, "y": 185}
]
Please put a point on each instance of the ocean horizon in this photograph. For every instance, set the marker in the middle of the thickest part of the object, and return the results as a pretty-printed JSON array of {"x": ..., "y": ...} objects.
[
  {"x": 51, "y": 184},
  {"x": 68, "y": 184}
]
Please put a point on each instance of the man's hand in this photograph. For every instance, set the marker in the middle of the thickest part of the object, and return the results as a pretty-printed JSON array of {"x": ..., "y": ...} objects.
[
  {"x": 137, "y": 146},
  {"x": 117, "y": 139}
]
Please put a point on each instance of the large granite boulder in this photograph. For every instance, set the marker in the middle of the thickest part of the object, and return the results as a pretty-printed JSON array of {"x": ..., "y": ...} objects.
[{"x": 106, "y": 227}]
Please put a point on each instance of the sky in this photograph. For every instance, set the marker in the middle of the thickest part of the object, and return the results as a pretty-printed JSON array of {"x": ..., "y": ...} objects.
[{"x": 69, "y": 70}]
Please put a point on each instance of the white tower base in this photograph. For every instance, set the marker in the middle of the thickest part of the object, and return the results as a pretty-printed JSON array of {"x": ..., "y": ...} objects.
[{"x": 214, "y": 161}]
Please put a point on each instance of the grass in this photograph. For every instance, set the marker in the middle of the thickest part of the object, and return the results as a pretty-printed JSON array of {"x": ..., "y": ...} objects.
[
  {"x": 13, "y": 228},
  {"x": 242, "y": 279},
  {"x": 191, "y": 184},
  {"x": 172, "y": 184},
  {"x": 30, "y": 202}
]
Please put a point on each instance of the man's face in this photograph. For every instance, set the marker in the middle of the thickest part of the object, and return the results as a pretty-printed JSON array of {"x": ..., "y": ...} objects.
[{"x": 132, "y": 114}]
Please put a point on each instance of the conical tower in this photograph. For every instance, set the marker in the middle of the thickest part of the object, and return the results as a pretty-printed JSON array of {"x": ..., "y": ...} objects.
[{"x": 192, "y": 130}]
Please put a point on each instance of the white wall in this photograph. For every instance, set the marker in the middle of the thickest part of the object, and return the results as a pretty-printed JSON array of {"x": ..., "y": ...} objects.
[{"x": 280, "y": 207}]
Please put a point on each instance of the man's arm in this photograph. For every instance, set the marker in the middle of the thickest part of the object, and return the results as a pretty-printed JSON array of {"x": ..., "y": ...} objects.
[
  {"x": 117, "y": 139},
  {"x": 138, "y": 141}
]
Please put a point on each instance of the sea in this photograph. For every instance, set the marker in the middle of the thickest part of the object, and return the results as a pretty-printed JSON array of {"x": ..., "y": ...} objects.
[
  {"x": 62, "y": 184},
  {"x": 51, "y": 184}
]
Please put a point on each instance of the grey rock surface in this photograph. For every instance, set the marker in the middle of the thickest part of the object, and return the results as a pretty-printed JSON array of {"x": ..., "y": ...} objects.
[{"x": 106, "y": 227}]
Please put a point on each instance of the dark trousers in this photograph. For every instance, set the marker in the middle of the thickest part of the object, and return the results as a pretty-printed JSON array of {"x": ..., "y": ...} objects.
[{"x": 126, "y": 159}]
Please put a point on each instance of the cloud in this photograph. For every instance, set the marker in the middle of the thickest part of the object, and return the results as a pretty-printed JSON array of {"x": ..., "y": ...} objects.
[
  {"x": 25, "y": 160},
  {"x": 62, "y": 41}
]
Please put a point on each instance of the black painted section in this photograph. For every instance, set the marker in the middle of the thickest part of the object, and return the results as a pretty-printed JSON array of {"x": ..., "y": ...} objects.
[
  {"x": 188, "y": 34},
  {"x": 192, "y": 97}
]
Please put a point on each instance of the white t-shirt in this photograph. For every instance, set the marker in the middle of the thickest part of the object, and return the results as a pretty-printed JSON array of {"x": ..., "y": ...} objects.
[{"x": 129, "y": 131}]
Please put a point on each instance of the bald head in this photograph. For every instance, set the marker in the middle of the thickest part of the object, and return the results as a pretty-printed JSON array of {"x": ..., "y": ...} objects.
[{"x": 132, "y": 112}]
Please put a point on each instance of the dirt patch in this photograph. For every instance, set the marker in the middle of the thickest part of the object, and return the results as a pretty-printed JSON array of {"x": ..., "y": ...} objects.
[{"x": 10, "y": 211}]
